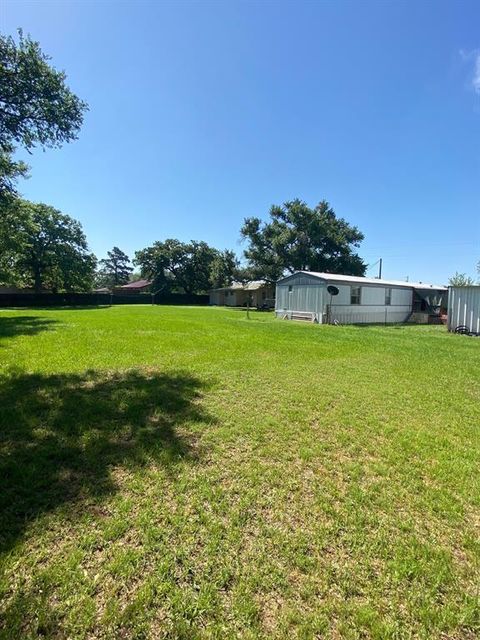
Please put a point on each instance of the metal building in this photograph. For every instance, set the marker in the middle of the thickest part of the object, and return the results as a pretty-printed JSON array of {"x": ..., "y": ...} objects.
[
  {"x": 329, "y": 298},
  {"x": 464, "y": 308}
]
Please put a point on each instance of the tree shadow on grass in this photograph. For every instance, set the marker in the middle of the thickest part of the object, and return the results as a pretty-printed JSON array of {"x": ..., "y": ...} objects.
[
  {"x": 60, "y": 436},
  {"x": 12, "y": 326}
]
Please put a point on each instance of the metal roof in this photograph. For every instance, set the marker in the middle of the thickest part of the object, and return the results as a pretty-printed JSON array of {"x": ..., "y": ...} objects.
[
  {"x": 138, "y": 284},
  {"x": 238, "y": 286},
  {"x": 337, "y": 277}
]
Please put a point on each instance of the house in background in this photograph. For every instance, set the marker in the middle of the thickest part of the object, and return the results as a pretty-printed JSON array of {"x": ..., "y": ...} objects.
[
  {"x": 139, "y": 286},
  {"x": 330, "y": 298},
  {"x": 257, "y": 293}
]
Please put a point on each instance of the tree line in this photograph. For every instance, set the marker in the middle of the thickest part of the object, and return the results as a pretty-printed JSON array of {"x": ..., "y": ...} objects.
[
  {"x": 46, "y": 250},
  {"x": 43, "y": 249}
]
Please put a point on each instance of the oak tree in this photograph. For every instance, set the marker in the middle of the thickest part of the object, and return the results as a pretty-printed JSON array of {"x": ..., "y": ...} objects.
[
  {"x": 299, "y": 238},
  {"x": 36, "y": 106},
  {"x": 48, "y": 249},
  {"x": 193, "y": 267}
]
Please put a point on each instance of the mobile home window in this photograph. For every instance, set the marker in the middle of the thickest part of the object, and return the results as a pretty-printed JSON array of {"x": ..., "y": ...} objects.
[
  {"x": 290, "y": 288},
  {"x": 355, "y": 295},
  {"x": 388, "y": 297}
]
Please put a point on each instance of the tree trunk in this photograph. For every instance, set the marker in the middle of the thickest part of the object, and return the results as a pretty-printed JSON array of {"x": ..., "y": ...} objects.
[{"x": 38, "y": 279}]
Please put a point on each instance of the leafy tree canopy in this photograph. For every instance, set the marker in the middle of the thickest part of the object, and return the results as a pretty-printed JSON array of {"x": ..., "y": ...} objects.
[
  {"x": 115, "y": 269},
  {"x": 223, "y": 270},
  {"x": 192, "y": 267},
  {"x": 45, "y": 249},
  {"x": 36, "y": 106},
  {"x": 10, "y": 171},
  {"x": 300, "y": 238},
  {"x": 461, "y": 280}
]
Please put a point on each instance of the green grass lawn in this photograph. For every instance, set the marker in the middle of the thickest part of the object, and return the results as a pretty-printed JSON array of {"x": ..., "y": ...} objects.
[{"x": 189, "y": 473}]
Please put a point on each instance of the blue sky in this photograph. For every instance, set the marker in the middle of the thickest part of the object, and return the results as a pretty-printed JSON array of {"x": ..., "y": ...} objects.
[{"x": 204, "y": 113}]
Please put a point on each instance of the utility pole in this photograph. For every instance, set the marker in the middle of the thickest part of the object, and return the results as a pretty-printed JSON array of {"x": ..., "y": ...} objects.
[{"x": 380, "y": 269}]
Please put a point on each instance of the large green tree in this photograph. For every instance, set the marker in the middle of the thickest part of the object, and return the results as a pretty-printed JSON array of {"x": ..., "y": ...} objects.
[
  {"x": 298, "y": 237},
  {"x": 14, "y": 220},
  {"x": 36, "y": 106},
  {"x": 115, "y": 269},
  {"x": 192, "y": 267},
  {"x": 47, "y": 250},
  {"x": 223, "y": 269}
]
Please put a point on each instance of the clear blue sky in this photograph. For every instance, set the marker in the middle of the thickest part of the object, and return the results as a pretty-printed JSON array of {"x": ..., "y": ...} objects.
[{"x": 204, "y": 113}]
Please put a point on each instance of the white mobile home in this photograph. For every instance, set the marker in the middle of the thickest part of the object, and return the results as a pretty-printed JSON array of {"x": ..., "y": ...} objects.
[
  {"x": 330, "y": 298},
  {"x": 464, "y": 308}
]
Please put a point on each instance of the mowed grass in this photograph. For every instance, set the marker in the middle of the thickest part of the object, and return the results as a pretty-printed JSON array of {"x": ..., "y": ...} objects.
[{"x": 191, "y": 473}]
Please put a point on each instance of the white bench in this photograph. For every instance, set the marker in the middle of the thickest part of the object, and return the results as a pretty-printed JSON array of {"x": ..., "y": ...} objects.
[{"x": 305, "y": 316}]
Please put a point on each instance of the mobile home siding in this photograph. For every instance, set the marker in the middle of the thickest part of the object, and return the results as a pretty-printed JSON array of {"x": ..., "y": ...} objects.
[
  {"x": 301, "y": 292},
  {"x": 301, "y": 297},
  {"x": 217, "y": 297},
  {"x": 304, "y": 292},
  {"x": 372, "y": 307},
  {"x": 464, "y": 308},
  {"x": 234, "y": 298}
]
